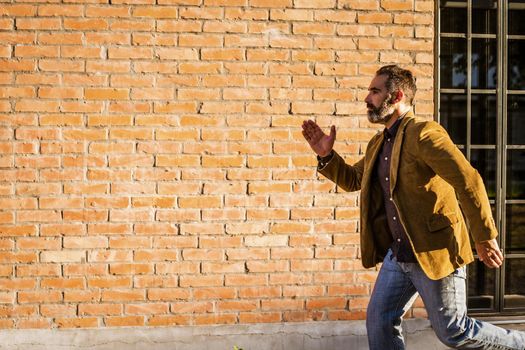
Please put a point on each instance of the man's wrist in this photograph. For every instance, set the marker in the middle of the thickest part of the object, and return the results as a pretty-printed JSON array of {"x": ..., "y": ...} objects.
[{"x": 324, "y": 160}]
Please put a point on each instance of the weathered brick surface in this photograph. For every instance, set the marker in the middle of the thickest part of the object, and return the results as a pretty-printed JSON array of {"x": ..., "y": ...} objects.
[{"x": 152, "y": 169}]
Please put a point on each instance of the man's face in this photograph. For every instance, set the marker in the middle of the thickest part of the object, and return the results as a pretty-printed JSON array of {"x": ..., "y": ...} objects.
[{"x": 379, "y": 107}]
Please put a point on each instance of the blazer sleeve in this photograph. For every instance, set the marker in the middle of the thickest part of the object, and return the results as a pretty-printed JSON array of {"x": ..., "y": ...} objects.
[
  {"x": 346, "y": 176},
  {"x": 439, "y": 152}
]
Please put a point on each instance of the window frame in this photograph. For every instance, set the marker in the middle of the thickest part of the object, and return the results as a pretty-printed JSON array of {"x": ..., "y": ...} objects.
[{"x": 500, "y": 202}]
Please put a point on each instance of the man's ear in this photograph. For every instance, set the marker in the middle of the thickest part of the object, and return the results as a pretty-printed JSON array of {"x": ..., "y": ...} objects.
[{"x": 397, "y": 96}]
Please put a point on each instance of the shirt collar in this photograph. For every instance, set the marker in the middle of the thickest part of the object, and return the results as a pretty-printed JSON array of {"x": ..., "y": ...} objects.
[{"x": 392, "y": 131}]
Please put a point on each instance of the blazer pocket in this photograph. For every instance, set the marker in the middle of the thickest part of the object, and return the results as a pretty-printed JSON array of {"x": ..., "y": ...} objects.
[{"x": 441, "y": 221}]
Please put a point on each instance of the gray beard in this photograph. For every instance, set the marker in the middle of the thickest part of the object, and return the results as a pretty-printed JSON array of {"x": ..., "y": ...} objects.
[{"x": 381, "y": 114}]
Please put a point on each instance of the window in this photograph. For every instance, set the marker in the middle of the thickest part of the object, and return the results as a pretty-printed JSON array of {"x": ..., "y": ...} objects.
[{"x": 481, "y": 102}]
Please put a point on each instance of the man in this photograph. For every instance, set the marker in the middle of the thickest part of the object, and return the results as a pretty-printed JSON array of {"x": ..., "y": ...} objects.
[{"x": 418, "y": 192}]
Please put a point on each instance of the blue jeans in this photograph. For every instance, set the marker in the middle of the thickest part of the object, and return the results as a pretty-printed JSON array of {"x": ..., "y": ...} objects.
[{"x": 396, "y": 288}]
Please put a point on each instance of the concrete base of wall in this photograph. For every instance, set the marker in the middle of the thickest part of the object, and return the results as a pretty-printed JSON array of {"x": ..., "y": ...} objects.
[{"x": 287, "y": 336}]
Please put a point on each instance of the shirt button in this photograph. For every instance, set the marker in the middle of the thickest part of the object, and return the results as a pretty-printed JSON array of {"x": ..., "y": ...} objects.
[
  {"x": 388, "y": 140},
  {"x": 399, "y": 239},
  {"x": 386, "y": 178},
  {"x": 394, "y": 218},
  {"x": 390, "y": 199},
  {"x": 386, "y": 158}
]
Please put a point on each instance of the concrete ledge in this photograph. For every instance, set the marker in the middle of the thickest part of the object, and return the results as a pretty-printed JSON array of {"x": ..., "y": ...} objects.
[{"x": 283, "y": 336}]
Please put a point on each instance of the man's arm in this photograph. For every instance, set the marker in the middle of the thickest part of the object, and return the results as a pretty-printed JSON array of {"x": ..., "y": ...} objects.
[
  {"x": 439, "y": 152},
  {"x": 346, "y": 176},
  {"x": 331, "y": 165}
]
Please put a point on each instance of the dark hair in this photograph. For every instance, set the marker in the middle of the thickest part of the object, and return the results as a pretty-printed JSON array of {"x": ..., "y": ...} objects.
[{"x": 399, "y": 79}]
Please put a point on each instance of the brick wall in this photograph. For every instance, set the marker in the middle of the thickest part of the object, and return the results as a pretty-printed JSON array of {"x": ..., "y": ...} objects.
[{"x": 152, "y": 168}]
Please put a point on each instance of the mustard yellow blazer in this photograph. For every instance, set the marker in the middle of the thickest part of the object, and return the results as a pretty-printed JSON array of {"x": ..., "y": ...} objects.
[{"x": 436, "y": 192}]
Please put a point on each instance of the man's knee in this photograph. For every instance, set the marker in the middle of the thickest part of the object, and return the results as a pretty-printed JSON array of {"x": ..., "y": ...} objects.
[
  {"x": 453, "y": 336},
  {"x": 377, "y": 321}
]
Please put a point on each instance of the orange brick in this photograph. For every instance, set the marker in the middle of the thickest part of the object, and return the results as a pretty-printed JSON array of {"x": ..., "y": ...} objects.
[
  {"x": 237, "y": 305},
  {"x": 81, "y": 322},
  {"x": 201, "y": 281},
  {"x": 99, "y": 309},
  {"x": 130, "y": 269},
  {"x": 37, "y": 243},
  {"x": 335, "y": 16},
  {"x": 39, "y": 296},
  {"x": 177, "y": 54},
  {"x": 347, "y": 315},
  {"x": 63, "y": 38},
  {"x": 397, "y": 5},
  {"x": 326, "y": 303},
  {"x": 18, "y": 10},
  {"x": 215, "y": 319},
  {"x": 169, "y": 320},
  {"x": 358, "y": 4},
  {"x": 192, "y": 307},
  {"x": 245, "y": 13},
  {"x": 168, "y": 294},
  {"x": 202, "y": 254},
  {"x": 271, "y": 3},
  {"x": 7, "y": 217},
  {"x": 55, "y": 310},
  {"x": 214, "y": 293},
  {"x": 248, "y": 253},
  {"x": 33, "y": 323},
  {"x": 396, "y": 31},
  {"x": 133, "y": 25},
  {"x": 225, "y": 2},
  {"x": 37, "y": 51},
  {"x": 60, "y": 10},
  {"x": 107, "y": 38},
  {"x": 314, "y": 28},
  {"x": 413, "y": 45},
  {"x": 107, "y": 66},
  {"x": 130, "y": 53},
  {"x": 291, "y": 42},
  {"x": 107, "y": 11},
  {"x": 106, "y": 94},
  {"x": 124, "y": 321},
  {"x": 17, "y": 65},
  {"x": 223, "y": 54},
  {"x": 194, "y": 40},
  {"x": 7, "y": 23},
  {"x": 224, "y": 27},
  {"x": 291, "y": 15},
  {"x": 128, "y": 242},
  {"x": 81, "y": 296},
  {"x": 201, "y": 13},
  {"x": 86, "y": 24},
  {"x": 222, "y": 161},
  {"x": 110, "y": 282},
  {"x": 62, "y": 283},
  {"x": 267, "y": 266},
  {"x": 178, "y": 26},
  {"x": 156, "y": 12},
  {"x": 110, "y": 256}
]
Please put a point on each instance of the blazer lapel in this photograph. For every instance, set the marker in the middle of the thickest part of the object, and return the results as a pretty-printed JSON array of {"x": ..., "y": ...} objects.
[{"x": 396, "y": 150}]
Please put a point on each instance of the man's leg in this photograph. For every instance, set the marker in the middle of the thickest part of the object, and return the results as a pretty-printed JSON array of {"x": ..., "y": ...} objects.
[
  {"x": 445, "y": 301},
  {"x": 392, "y": 296}
]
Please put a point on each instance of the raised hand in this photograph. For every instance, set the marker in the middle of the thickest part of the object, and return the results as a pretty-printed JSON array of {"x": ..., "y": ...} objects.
[
  {"x": 489, "y": 253},
  {"x": 321, "y": 143}
]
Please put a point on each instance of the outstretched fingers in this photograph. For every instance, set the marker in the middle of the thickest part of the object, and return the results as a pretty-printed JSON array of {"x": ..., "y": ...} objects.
[{"x": 311, "y": 131}]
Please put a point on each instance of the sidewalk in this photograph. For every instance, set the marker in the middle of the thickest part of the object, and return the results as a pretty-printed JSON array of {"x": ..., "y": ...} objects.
[
  {"x": 340, "y": 335},
  {"x": 290, "y": 336}
]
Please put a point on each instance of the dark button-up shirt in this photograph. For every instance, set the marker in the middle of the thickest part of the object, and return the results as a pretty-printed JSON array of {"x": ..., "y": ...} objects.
[{"x": 401, "y": 247}]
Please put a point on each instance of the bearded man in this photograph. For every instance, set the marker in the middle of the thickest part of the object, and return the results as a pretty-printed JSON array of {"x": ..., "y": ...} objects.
[{"x": 418, "y": 192}]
